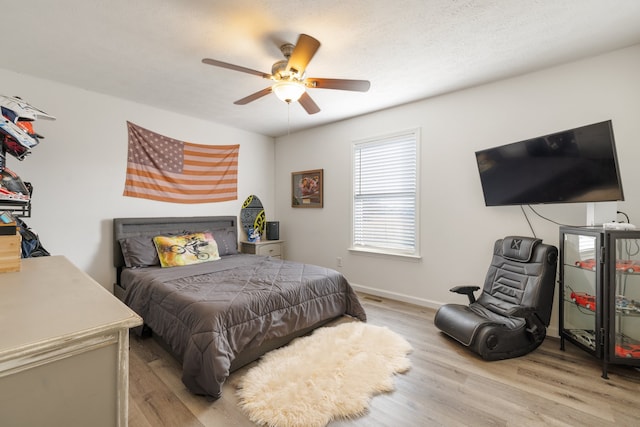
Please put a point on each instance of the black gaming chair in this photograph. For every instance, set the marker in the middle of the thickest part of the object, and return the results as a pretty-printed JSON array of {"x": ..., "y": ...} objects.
[{"x": 510, "y": 317}]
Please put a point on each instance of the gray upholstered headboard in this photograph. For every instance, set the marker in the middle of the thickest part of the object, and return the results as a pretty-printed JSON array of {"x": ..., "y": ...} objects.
[{"x": 130, "y": 227}]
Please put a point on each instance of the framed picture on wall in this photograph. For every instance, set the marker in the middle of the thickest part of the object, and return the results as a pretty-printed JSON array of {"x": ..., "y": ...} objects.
[{"x": 306, "y": 189}]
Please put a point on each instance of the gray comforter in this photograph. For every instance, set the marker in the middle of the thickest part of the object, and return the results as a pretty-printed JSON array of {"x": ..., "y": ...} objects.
[{"x": 208, "y": 313}]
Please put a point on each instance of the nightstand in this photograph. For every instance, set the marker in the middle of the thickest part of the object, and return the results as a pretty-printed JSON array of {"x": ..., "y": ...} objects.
[{"x": 272, "y": 248}]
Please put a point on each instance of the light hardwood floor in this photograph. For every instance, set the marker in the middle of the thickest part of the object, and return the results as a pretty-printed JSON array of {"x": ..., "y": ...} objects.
[{"x": 446, "y": 386}]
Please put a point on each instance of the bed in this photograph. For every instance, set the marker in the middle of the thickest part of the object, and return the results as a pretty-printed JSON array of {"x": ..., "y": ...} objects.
[{"x": 217, "y": 316}]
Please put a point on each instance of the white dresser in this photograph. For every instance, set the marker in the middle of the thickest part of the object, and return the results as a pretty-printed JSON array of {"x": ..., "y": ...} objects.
[{"x": 64, "y": 348}]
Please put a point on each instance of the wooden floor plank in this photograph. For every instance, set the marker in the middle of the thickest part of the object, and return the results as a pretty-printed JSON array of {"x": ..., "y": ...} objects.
[
  {"x": 159, "y": 405},
  {"x": 445, "y": 386}
]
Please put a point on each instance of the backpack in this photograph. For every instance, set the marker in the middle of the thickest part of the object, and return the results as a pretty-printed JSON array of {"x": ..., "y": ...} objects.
[{"x": 31, "y": 245}]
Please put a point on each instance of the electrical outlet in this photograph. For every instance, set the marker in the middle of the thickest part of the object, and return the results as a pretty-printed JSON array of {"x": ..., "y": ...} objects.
[{"x": 339, "y": 261}]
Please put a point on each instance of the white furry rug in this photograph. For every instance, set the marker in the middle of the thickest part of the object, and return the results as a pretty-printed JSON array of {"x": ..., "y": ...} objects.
[{"x": 330, "y": 374}]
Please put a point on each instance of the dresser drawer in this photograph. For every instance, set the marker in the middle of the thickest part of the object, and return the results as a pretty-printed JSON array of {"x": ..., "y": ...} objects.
[{"x": 270, "y": 249}]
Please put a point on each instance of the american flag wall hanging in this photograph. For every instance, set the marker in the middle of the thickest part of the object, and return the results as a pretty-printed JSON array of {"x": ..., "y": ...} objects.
[{"x": 165, "y": 169}]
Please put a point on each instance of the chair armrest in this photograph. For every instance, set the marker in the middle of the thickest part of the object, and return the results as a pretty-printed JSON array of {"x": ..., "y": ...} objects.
[{"x": 466, "y": 290}]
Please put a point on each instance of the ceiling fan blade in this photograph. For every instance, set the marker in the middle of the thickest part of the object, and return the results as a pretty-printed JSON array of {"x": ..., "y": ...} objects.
[
  {"x": 217, "y": 63},
  {"x": 340, "y": 84},
  {"x": 264, "y": 92},
  {"x": 305, "y": 48},
  {"x": 308, "y": 104}
]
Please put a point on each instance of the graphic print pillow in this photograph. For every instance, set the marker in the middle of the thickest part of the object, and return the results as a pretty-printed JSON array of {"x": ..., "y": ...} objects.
[{"x": 194, "y": 248}]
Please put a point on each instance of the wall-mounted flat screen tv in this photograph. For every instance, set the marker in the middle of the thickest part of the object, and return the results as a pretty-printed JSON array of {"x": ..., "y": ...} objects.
[{"x": 576, "y": 165}]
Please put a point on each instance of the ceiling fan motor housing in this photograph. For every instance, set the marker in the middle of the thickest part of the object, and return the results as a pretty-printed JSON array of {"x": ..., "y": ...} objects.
[{"x": 279, "y": 70}]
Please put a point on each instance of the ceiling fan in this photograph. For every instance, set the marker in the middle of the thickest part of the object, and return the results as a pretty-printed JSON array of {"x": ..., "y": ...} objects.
[{"x": 290, "y": 81}]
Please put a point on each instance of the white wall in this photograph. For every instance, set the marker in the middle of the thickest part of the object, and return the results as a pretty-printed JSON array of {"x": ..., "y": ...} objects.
[
  {"x": 78, "y": 170},
  {"x": 457, "y": 230}
]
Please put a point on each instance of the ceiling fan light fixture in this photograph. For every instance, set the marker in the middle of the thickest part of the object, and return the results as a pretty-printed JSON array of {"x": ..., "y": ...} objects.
[{"x": 288, "y": 91}]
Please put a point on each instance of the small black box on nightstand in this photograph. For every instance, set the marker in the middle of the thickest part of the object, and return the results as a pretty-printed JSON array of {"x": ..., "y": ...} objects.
[{"x": 273, "y": 230}]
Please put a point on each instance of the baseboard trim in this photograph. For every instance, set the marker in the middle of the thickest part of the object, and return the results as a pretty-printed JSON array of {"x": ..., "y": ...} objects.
[
  {"x": 396, "y": 296},
  {"x": 551, "y": 330}
]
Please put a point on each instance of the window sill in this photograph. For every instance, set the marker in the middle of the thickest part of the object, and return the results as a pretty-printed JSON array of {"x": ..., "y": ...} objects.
[{"x": 383, "y": 253}]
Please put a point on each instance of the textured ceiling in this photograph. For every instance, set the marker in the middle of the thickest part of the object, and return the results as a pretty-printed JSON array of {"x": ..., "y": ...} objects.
[{"x": 150, "y": 51}]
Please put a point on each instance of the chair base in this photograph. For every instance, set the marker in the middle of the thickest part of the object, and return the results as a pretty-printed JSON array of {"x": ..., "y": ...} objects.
[{"x": 492, "y": 340}]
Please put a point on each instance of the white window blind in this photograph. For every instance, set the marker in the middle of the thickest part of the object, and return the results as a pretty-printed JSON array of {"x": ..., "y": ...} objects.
[{"x": 385, "y": 194}]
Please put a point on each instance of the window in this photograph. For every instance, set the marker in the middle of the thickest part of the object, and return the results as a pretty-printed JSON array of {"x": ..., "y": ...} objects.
[{"x": 385, "y": 194}]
